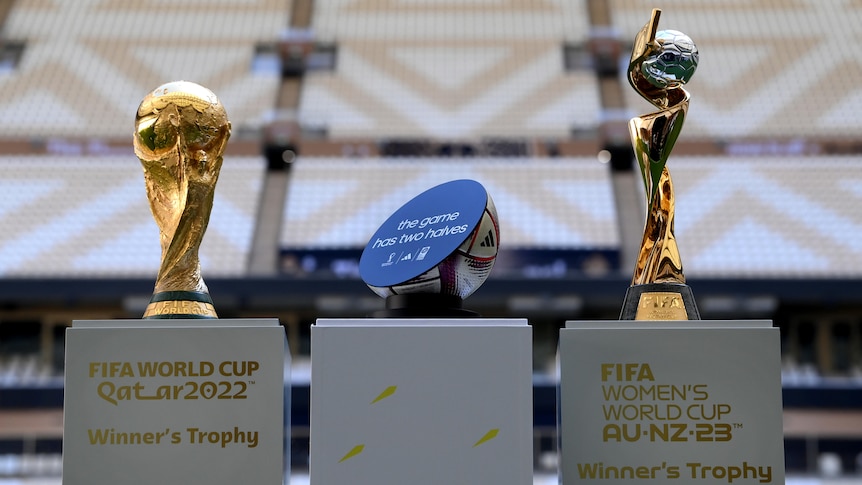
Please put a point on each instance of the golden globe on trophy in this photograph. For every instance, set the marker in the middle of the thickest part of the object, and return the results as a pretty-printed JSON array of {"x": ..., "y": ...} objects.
[
  {"x": 661, "y": 63},
  {"x": 181, "y": 130}
]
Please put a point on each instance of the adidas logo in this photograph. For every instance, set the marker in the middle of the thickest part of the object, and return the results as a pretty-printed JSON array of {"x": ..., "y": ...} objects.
[{"x": 489, "y": 240}]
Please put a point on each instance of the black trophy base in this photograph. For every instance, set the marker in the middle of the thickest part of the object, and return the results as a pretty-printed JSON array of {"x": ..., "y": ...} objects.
[
  {"x": 659, "y": 301},
  {"x": 424, "y": 305}
]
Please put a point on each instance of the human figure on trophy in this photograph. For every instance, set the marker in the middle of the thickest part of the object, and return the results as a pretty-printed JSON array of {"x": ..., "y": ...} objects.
[
  {"x": 181, "y": 131},
  {"x": 661, "y": 63}
]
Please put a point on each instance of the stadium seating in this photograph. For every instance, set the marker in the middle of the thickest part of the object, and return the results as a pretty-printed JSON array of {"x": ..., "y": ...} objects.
[
  {"x": 517, "y": 94},
  {"x": 786, "y": 217},
  {"x": 775, "y": 68},
  {"x": 450, "y": 71},
  {"x": 85, "y": 67},
  {"x": 69, "y": 216},
  {"x": 559, "y": 203}
]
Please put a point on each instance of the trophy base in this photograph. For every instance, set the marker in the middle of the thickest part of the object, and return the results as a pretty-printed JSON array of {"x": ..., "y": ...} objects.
[
  {"x": 659, "y": 301},
  {"x": 180, "y": 304},
  {"x": 424, "y": 305}
]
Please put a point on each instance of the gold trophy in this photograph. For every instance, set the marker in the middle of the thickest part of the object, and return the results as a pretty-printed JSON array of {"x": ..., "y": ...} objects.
[
  {"x": 181, "y": 130},
  {"x": 661, "y": 62}
]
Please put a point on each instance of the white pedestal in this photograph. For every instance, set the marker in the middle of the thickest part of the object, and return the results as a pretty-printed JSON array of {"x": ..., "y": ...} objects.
[
  {"x": 410, "y": 401},
  {"x": 175, "y": 401},
  {"x": 693, "y": 402}
]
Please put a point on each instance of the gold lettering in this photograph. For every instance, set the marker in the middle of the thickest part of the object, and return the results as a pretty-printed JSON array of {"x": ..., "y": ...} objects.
[
  {"x": 179, "y": 308},
  {"x": 661, "y": 306}
]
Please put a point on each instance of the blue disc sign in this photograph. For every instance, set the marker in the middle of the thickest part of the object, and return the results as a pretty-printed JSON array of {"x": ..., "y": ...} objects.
[{"x": 423, "y": 232}]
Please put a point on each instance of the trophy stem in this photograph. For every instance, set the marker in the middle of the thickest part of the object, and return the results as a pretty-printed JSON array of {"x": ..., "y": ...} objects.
[{"x": 658, "y": 259}]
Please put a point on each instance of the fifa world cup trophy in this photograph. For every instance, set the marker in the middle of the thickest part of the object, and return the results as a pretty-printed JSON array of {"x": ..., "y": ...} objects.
[
  {"x": 661, "y": 63},
  {"x": 181, "y": 131}
]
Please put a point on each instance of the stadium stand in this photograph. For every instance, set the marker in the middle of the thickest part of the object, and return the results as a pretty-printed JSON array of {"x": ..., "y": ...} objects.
[
  {"x": 786, "y": 217},
  {"x": 79, "y": 216},
  {"x": 770, "y": 69},
  {"x": 344, "y": 109},
  {"x": 553, "y": 212},
  {"x": 450, "y": 71},
  {"x": 543, "y": 203},
  {"x": 86, "y": 66}
]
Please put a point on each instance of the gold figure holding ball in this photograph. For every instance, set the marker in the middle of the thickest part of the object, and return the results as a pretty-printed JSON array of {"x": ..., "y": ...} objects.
[
  {"x": 661, "y": 63},
  {"x": 181, "y": 131}
]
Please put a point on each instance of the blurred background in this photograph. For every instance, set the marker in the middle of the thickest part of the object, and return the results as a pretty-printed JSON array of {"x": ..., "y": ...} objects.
[{"x": 343, "y": 110}]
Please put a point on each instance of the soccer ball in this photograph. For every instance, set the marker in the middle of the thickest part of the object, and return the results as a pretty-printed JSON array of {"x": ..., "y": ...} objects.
[
  {"x": 462, "y": 272},
  {"x": 673, "y": 63}
]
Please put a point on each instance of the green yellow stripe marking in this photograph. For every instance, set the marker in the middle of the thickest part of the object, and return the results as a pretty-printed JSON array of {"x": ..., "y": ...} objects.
[
  {"x": 386, "y": 393},
  {"x": 353, "y": 452},
  {"x": 488, "y": 437}
]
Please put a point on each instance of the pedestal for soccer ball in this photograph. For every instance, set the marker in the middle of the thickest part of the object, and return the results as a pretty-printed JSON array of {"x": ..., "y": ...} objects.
[
  {"x": 176, "y": 401},
  {"x": 421, "y": 401},
  {"x": 670, "y": 402}
]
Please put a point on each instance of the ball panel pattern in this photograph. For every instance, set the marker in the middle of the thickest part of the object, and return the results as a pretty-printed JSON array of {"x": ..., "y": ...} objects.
[{"x": 674, "y": 62}]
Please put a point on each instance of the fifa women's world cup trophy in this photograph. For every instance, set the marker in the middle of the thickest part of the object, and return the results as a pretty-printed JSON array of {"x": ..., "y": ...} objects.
[
  {"x": 181, "y": 130},
  {"x": 661, "y": 63}
]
